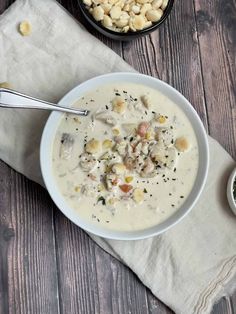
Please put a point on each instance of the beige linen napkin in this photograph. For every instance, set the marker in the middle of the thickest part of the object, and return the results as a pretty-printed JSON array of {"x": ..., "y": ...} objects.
[{"x": 187, "y": 267}]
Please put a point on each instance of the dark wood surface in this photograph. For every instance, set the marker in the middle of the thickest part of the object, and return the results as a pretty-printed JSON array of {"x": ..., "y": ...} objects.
[{"x": 47, "y": 264}]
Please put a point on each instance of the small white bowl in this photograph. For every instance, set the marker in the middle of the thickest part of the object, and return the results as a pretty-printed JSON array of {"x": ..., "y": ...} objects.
[
  {"x": 49, "y": 135},
  {"x": 230, "y": 195}
]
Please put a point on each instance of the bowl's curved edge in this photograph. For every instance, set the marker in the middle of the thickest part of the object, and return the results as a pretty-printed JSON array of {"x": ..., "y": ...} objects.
[{"x": 45, "y": 161}]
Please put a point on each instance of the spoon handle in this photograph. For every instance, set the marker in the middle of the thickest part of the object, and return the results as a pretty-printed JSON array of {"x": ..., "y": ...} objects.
[{"x": 12, "y": 99}]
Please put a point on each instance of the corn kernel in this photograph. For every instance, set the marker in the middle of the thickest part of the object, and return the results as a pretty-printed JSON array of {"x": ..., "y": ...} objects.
[
  {"x": 162, "y": 119},
  {"x": 116, "y": 132},
  {"x": 107, "y": 144},
  {"x": 128, "y": 179},
  {"x": 77, "y": 188},
  {"x": 149, "y": 135}
]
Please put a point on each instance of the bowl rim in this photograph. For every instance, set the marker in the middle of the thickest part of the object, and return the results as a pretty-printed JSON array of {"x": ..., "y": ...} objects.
[
  {"x": 230, "y": 195},
  {"x": 128, "y": 34},
  {"x": 48, "y": 138}
]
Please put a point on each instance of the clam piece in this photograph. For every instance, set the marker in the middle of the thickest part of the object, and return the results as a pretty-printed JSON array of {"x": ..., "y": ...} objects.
[
  {"x": 66, "y": 148},
  {"x": 121, "y": 148},
  {"x": 165, "y": 136},
  {"x": 106, "y": 118},
  {"x": 88, "y": 162},
  {"x": 171, "y": 158}
]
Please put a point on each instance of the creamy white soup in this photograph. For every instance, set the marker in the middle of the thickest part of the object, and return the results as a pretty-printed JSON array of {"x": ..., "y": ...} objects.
[{"x": 131, "y": 163}]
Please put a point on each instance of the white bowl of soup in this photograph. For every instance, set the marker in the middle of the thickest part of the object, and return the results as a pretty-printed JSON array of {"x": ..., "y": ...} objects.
[{"x": 135, "y": 166}]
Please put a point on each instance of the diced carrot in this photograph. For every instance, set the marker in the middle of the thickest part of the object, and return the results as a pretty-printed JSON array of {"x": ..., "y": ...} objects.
[{"x": 125, "y": 187}]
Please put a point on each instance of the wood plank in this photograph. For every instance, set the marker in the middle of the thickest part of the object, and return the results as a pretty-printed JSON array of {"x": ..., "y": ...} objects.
[
  {"x": 28, "y": 278},
  {"x": 216, "y": 22}
]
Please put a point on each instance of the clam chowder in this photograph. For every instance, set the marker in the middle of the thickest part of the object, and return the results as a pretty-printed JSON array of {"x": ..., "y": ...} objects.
[{"x": 131, "y": 163}]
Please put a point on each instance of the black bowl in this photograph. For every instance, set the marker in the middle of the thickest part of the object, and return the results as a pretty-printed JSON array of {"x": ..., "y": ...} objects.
[{"x": 124, "y": 36}]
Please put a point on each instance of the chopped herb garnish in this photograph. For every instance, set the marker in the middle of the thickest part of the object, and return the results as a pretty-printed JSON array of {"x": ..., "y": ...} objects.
[
  {"x": 144, "y": 190},
  {"x": 106, "y": 107},
  {"x": 102, "y": 199}
]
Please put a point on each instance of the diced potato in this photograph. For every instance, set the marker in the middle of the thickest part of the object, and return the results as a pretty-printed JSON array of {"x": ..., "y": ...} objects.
[
  {"x": 119, "y": 104},
  {"x": 118, "y": 168},
  {"x": 146, "y": 101},
  {"x": 138, "y": 195},
  {"x": 93, "y": 146}
]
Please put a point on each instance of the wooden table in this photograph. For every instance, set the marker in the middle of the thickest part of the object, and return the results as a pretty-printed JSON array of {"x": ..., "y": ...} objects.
[{"x": 47, "y": 264}]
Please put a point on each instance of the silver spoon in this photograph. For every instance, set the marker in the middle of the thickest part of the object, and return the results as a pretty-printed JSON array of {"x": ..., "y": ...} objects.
[{"x": 12, "y": 99}]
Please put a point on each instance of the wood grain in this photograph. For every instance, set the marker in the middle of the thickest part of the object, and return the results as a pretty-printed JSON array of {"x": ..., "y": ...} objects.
[
  {"x": 47, "y": 264},
  {"x": 28, "y": 277},
  {"x": 216, "y": 23}
]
